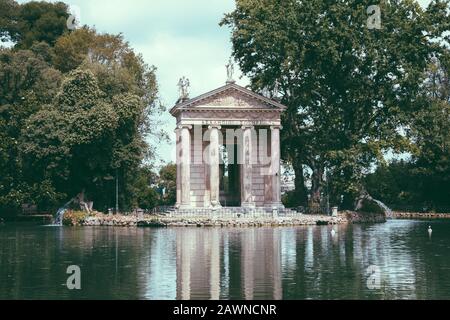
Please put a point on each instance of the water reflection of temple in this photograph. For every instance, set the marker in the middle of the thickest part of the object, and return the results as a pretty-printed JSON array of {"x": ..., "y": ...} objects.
[
  {"x": 275, "y": 263},
  {"x": 211, "y": 264}
]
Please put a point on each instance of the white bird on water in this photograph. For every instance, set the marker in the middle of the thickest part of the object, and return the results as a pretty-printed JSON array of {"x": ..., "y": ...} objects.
[{"x": 430, "y": 230}]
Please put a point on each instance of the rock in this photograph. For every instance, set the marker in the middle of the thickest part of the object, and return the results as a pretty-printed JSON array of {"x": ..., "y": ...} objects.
[
  {"x": 364, "y": 217},
  {"x": 151, "y": 224},
  {"x": 365, "y": 203}
]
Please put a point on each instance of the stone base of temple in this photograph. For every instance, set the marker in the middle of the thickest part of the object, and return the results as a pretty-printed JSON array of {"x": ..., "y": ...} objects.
[
  {"x": 235, "y": 212},
  {"x": 183, "y": 207},
  {"x": 275, "y": 205}
]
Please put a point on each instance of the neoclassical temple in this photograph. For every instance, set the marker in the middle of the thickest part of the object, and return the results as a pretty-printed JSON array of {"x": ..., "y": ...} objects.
[{"x": 228, "y": 149}]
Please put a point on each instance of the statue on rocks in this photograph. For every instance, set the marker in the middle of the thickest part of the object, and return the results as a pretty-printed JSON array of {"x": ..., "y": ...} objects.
[{"x": 365, "y": 203}]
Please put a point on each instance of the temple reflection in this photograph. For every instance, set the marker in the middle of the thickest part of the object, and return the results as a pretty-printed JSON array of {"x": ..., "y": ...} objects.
[{"x": 204, "y": 260}]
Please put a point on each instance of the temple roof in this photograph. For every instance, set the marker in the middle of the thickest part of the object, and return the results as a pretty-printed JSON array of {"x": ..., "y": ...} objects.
[{"x": 229, "y": 96}]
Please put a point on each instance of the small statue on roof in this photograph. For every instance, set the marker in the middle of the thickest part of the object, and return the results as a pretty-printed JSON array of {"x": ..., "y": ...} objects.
[
  {"x": 183, "y": 86},
  {"x": 230, "y": 71}
]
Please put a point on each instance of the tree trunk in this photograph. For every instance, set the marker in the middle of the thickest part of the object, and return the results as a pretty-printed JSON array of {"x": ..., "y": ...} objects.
[
  {"x": 316, "y": 186},
  {"x": 348, "y": 197},
  {"x": 300, "y": 189}
]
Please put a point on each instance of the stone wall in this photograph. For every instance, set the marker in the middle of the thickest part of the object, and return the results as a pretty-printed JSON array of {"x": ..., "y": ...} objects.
[
  {"x": 232, "y": 220},
  {"x": 419, "y": 215}
]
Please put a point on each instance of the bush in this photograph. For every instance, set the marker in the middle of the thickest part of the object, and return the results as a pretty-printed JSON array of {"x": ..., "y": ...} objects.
[
  {"x": 290, "y": 199},
  {"x": 74, "y": 218}
]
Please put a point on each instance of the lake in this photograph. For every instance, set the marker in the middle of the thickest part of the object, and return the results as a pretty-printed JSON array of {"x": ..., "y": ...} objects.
[{"x": 394, "y": 260}]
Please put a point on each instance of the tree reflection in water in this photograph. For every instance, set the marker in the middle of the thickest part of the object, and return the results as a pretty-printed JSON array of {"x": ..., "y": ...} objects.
[{"x": 241, "y": 263}]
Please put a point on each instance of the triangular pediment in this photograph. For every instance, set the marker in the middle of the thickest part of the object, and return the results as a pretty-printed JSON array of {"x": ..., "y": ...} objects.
[{"x": 230, "y": 96}]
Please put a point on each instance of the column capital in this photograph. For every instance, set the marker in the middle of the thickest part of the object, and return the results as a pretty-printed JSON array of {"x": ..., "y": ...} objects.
[
  {"x": 279, "y": 127},
  {"x": 247, "y": 126},
  {"x": 181, "y": 126},
  {"x": 216, "y": 126}
]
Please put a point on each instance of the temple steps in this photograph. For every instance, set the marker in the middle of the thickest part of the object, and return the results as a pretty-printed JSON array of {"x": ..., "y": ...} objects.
[{"x": 230, "y": 212}]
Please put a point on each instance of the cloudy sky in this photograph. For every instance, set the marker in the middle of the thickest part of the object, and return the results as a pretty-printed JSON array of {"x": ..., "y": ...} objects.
[{"x": 179, "y": 37}]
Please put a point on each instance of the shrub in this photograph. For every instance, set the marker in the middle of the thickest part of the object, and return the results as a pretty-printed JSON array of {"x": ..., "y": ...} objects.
[
  {"x": 290, "y": 199},
  {"x": 74, "y": 218}
]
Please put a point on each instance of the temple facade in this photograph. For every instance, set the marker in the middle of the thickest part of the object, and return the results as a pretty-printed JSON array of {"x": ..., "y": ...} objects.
[{"x": 227, "y": 149}]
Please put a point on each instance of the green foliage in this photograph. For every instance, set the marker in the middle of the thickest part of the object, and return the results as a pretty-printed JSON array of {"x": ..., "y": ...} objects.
[
  {"x": 63, "y": 132},
  {"x": 117, "y": 68},
  {"x": 289, "y": 199},
  {"x": 396, "y": 184},
  {"x": 74, "y": 218},
  {"x": 144, "y": 185},
  {"x": 149, "y": 186},
  {"x": 31, "y": 22},
  {"x": 424, "y": 181},
  {"x": 348, "y": 88},
  {"x": 27, "y": 82},
  {"x": 168, "y": 181},
  {"x": 83, "y": 137}
]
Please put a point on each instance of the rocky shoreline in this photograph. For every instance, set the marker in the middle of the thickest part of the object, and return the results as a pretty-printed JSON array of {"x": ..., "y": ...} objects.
[
  {"x": 419, "y": 215},
  {"x": 204, "y": 221},
  {"x": 100, "y": 219}
]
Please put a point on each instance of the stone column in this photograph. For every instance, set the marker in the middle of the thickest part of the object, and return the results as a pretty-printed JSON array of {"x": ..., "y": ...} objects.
[
  {"x": 247, "y": 174},
  {"x": 275, "y": 166},
  {"x": 214, "y": 166},
  {"x": 185, "y": 166},
  {"x": 178, "y": 162}
]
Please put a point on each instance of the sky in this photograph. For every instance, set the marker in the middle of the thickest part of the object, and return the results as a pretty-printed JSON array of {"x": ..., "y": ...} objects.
[{"x": 179, "y": 37}]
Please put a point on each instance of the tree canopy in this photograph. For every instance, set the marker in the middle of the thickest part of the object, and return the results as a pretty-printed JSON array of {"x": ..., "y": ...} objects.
[
  {"x": 349, "y": 89},
  {"x": 424, "y": 180},
  {"x": 76, "y": 109},
  {"x": 30, "y": 22}
]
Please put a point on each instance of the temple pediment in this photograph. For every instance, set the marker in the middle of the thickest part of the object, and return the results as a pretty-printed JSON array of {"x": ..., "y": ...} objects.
[{"x": 229, "y": 97}]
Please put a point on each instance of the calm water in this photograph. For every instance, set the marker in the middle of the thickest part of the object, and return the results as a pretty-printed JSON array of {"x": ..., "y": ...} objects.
[{"x": 253, "y": 263}]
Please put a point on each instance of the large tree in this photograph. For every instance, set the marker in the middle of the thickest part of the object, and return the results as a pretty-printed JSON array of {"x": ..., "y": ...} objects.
[
  {"x": 60, "y": 140},
  {"x": 116, "y": 66},
  {"x": 34, "y": 21},
  {"x": 430, "y": 132},
  {"x": 27, "y": 81},
  {"x": 82, "y": 138},
  {"x": 348, "y": 87}
]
